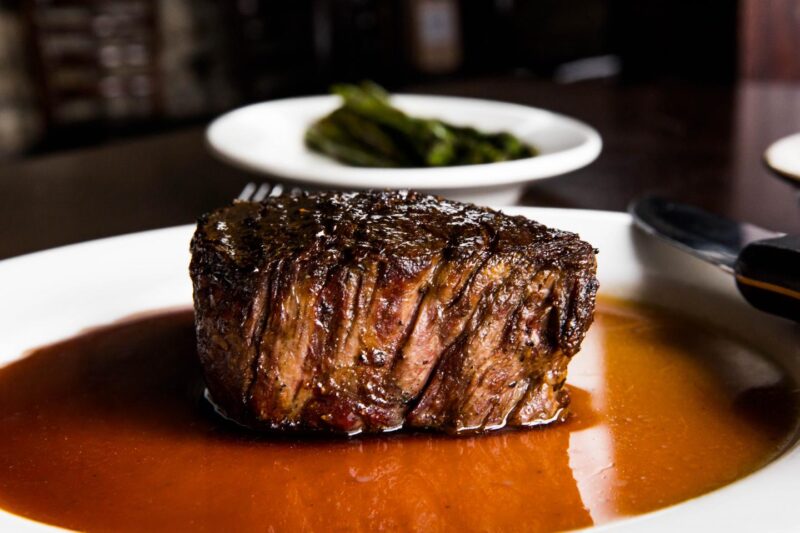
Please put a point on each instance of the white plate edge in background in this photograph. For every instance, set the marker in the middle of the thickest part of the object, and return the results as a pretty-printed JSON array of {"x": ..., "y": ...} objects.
[{"x": 783, "y": 156}]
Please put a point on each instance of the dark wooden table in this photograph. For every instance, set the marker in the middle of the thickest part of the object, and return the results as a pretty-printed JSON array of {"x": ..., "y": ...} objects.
[{"x": 696, "y": 144}]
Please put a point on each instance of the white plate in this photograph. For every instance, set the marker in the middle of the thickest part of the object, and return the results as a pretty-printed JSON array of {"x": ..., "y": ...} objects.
[
  {"x": 53, "y": 294},
  {"x": 783, "y": 156},
  {"x": 268, "y": 138}
]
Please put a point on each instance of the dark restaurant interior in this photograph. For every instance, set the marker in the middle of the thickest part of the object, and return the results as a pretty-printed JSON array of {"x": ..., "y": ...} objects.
[{"x": 78, "y": 73}]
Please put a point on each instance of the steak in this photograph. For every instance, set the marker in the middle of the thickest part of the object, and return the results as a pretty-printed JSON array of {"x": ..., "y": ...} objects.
[{"x": 372, "y": 311}]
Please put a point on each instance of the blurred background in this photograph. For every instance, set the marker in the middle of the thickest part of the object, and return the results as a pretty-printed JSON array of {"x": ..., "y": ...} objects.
[{"x": 76, "y": 73}]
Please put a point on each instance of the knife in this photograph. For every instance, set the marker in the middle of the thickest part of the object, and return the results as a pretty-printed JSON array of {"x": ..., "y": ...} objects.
[{"x": 765, "y": 264}]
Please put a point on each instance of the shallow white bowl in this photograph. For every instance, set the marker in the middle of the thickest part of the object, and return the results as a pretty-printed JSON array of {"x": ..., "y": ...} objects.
[
  {"x": 53, "y": 294},
  {"x": 268, "y": 138}
]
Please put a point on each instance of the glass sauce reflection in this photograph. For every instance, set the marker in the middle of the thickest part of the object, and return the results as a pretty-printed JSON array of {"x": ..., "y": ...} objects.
[{"x": 109, "y": 431}]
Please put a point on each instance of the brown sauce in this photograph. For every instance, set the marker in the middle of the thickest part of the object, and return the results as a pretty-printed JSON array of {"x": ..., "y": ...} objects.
[{"x": 109, "y": 431}]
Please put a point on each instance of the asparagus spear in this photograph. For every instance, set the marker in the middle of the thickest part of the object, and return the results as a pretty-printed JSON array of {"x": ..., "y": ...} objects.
[
  {"x": 326, "y": 137},
  {"x": 431, "y": 140},
  {"x": 371, "y": 136}
]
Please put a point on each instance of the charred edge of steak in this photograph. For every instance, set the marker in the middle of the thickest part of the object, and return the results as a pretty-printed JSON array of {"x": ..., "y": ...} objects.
[{"x": 350, "y": 312}]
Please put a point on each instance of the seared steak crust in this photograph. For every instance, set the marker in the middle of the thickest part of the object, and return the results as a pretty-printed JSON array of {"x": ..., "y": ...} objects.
[{"x": 371, "y": 311}]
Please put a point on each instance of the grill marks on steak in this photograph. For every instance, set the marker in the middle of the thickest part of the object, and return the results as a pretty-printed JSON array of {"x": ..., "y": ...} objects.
[{"x": 371, "y": 311}]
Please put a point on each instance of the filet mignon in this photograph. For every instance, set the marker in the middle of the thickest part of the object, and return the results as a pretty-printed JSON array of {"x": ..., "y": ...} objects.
[{"x": 350, "y": 312}]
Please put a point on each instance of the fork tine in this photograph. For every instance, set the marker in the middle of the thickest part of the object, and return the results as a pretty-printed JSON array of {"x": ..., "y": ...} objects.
[
  {"x": 247, "y": 192},
  {"x": 262, "y": 192},
  {"x": 277, "y": 190}
]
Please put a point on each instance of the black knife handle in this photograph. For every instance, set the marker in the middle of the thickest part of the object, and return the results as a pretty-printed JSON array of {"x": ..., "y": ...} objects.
[{"x": 768, "y": 275}]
